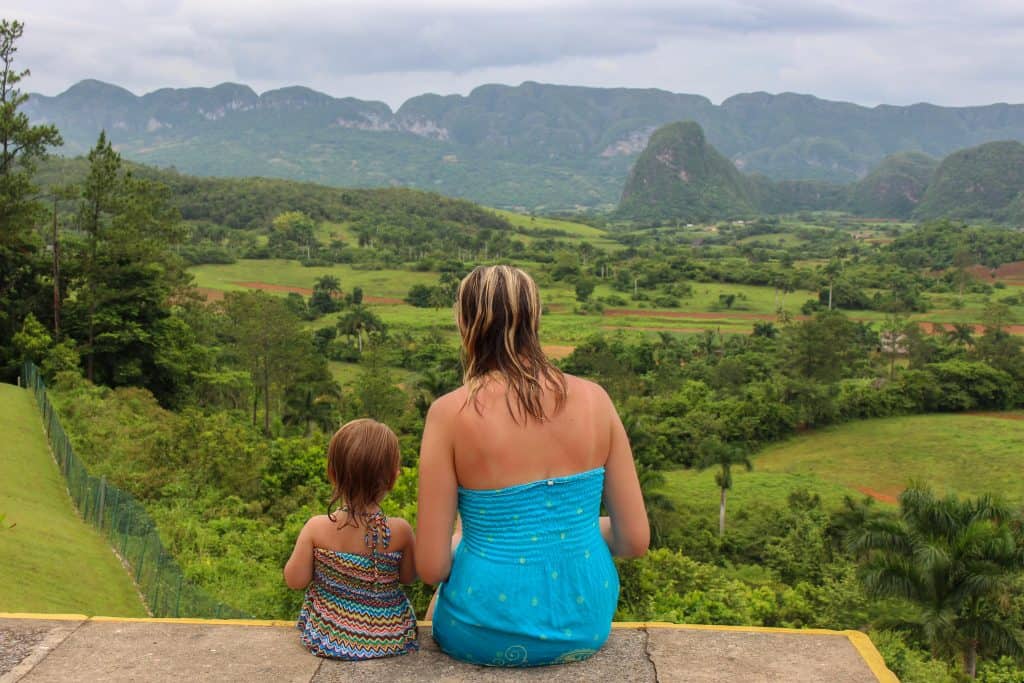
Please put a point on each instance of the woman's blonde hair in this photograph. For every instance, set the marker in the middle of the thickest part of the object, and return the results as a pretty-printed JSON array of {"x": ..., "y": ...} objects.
[
  {"x": 362, "y": 466},
  {"x": 498, "y": 309}
]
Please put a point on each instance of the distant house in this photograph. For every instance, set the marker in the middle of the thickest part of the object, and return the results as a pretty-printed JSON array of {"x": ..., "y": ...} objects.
[{"x": 893, "y": 342}]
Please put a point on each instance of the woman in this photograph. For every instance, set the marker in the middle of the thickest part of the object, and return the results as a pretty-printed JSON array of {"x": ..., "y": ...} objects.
[{"x": 526, "y": 455}]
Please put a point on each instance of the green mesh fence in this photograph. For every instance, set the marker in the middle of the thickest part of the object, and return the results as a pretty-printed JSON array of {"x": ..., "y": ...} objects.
[{"x": 126, "y": 524}]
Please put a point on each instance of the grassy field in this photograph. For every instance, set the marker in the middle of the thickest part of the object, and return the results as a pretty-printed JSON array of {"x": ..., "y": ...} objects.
[
  {"x": 280, "y": 272},
  {"x": 963, "y": 454},
  {"x": 52, "y": 562}
]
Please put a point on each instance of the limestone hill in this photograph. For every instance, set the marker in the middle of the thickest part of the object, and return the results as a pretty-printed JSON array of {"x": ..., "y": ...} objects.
[
  {"x": 895, "y": 187},
  {"x": 680, "y": 176},
  {"x": 986, "y": 181}
]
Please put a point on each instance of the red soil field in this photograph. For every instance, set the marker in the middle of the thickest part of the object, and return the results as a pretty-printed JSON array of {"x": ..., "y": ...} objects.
[
  {"x": 697, "y": 315},
  {"x": 998, "y": 415},
  {"x": 880, "y": 496},
  {"x": 217, "y": 295}
]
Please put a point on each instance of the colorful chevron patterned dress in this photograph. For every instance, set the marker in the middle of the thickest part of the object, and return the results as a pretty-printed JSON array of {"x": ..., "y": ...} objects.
[{"x": 355, "y": 608}]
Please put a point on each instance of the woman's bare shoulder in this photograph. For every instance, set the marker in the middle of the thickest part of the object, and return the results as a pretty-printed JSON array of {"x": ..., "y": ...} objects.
[
  {"x": 591, "y": 389},
  {"x": 447, "y": 405}
]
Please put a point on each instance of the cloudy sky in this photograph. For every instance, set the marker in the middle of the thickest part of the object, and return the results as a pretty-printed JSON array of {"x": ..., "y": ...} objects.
[{"x": 865, "y": 51}]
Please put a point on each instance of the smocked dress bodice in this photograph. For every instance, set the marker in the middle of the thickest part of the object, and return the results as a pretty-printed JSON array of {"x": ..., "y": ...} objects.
[
  {"x": 355, "y": 608},
  {"x": 532, "y": 581}
]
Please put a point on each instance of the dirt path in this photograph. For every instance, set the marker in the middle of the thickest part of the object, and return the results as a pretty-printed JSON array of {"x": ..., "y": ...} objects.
[
  {"x": 217, "y": 294},
  {"x": 693, "y": 315},
  {"x": 997, "y": 415},
  {"x": 880, "y": 496},
  {"x": 557, "y": 351}
]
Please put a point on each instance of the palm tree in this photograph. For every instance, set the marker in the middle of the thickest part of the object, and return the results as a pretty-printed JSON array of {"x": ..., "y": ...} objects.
[
  {"x": 962, "y": 334},
  {"x": 716, "y": 453},
  {"x": 950, "y": 561},
  {"x": 831, "y": 271},
  {"x": 312, "y": 401},
  {"x": 357, "y": 321}
]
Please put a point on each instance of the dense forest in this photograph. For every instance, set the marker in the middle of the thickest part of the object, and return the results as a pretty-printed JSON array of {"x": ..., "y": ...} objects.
[{"x": 215, "y": 411}]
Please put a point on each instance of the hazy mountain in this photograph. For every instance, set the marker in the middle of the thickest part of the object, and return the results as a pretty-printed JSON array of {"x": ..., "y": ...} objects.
[
  {"x": 895, "y": 187},
  {"x": 986, "y": 181},
  {"x": 531, "y": 145}
]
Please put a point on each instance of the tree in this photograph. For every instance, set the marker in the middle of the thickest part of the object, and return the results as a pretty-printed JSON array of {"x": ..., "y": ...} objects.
[
  {"x": 831, "y": 270},
  {"x": 294, "y": 233},
  {"x": 268, "y": 340},
  {"x": 716, "y": 453},
  {"x": 324, "y": 299},
  {"x": 962, "y": 335},
  {"x": 359, "y": 321},
  {"x": 312, "y": 398},
  {"x": 584, "y": 288},
  {"x": 21, "y": 146},
  {"x": 949, "y": 561},
  {"x": 124, "y": 274}
]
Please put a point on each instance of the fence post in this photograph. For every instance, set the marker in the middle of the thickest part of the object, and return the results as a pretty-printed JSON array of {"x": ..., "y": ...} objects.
[
  {"x": 127, "y": 530},
  {"x": 142, "y": 558},
  {"x": 99, "y": 506},
  {"x": 156, "y": 585},
  {"x": 177, "y": 599}
]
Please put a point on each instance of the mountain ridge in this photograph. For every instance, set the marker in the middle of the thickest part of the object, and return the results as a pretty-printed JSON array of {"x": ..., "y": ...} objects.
[{"x": 531, "y": 146}]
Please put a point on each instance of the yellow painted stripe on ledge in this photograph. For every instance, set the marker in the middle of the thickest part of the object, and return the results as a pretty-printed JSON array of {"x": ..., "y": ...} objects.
[
  {"x": 196, "y": 622},
  {"x": 715, "y": 627},
  {"x": 860, "y": 641},
  {"x": 40, "y": 615},
  {"x": 871, "y": 656}
]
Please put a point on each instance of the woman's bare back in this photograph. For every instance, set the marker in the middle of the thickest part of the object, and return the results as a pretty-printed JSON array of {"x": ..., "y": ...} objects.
[{"x": 491, "y": 449}]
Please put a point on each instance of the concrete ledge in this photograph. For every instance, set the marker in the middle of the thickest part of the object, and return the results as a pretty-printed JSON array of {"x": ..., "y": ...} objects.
[{"x": 41, "y": 647}]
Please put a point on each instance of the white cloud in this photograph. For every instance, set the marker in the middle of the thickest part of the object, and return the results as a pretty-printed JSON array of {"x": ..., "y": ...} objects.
[{"x": 870, "y": 51}]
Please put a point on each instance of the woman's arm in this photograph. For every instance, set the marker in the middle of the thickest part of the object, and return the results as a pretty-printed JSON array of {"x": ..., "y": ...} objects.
[
  {"x": 626, "y": 530},
  {"x": 438, "y": 493},
  {"x": 298, "y": 571}
]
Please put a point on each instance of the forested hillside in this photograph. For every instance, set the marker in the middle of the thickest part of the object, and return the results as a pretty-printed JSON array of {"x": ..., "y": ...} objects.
[
  {"x": 532, "y": 145},
  {"x": 981, "y": 182},
  {"x": 679, "y": 177}
]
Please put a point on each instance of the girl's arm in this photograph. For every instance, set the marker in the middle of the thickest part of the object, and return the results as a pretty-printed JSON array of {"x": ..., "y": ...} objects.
[
  {"x": 438, "y": 493},
  {"x": 626, "y": 530},
  {"x": 407, "y": 567},
  {"x": 298, "y": 571}
]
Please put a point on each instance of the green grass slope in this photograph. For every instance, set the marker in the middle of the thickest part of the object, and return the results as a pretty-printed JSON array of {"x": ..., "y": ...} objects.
[
  {"x": 52, "y": 561},
  {"x": 963, "y": 454}
]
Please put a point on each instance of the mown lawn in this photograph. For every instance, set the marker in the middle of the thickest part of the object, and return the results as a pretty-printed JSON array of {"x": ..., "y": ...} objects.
[
  {"x": 963, "y": 454},
  {"x": 50, "y": 561}
]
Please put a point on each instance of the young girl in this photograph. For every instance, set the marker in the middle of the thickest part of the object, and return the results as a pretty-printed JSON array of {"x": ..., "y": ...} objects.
[{"x": 351, "y": 560}]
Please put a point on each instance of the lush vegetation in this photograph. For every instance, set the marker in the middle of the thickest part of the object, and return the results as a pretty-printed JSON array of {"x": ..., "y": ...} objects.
[
  {"x": 980, "y": 182},
  {"x": 719, "y": 342}
]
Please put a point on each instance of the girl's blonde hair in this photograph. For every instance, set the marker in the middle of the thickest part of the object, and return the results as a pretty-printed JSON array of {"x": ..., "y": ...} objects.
[
  {"x": 362, "y": 466},
  {"x": 498, "y": 310}
]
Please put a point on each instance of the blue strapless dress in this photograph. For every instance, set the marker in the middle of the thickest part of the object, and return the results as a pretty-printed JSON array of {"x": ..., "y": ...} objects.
[{"x": 532, "y": 581}]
